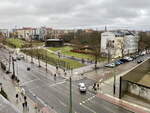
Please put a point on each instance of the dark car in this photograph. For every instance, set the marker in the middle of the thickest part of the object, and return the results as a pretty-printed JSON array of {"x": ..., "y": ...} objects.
[
  {"x": 120, "y": 62},
  {"x": 124, "y": 60},
  {"x": 28, "y": 68},
  {"x": 139, "y": 61}
]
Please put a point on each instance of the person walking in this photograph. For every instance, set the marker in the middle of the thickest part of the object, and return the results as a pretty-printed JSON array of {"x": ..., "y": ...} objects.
[
  {"x": 25, "y": 98},
  {"x": 97, "y": 85},
  {"x": 23, "y": 106},
  {"x": 55, "y": 76},
  {"x": 17, "y": 98}
]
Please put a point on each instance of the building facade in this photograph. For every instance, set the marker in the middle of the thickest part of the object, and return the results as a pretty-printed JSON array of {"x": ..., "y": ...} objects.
[
  {"x": 118, "y": 43},
  {"x": 4, "y": 33},
  {"x": 25, "y": 33}
]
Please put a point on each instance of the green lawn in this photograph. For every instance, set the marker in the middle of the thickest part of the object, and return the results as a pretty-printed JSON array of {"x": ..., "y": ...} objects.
[
  {"x": 66, "y": 51},
  {"x": 37, "y": 43},
  {"x": 54, "y": 59},
  {"x": 16, "y": 43}
]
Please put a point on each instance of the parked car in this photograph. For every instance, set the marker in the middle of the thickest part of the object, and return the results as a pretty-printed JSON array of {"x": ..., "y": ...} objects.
[
  {"x": 124, "y": 60},
  {"x": 120, "y": 61},
  {"x": 128, "y": 58},
  {"x": 82, "y": 87},
  {"x": 117, "y": 63},
  {"x": 110, "y": 65},
  {"x": 142, "y": 53},
  {"x": 139, "y": 61}
]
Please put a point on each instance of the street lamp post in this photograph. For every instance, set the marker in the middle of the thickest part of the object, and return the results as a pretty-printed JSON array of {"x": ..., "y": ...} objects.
[
  {"x": 70, "y": 79},
  {"x": 70, "y": 109},
  {"x": 114, "y": 84},
  {"x": 9, "y": 63},
  {"x": 38, "y": 57},
  {"x": 31, "y": 49},
  {"x": 13, "y": 65},
  {"x": 46, "y": 59}
]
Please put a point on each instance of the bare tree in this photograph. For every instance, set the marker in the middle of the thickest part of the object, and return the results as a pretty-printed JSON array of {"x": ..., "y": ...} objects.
[{"x": 94, "y": 43}]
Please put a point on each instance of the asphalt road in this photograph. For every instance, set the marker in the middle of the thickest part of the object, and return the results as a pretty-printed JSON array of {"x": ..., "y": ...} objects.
[{"x": 46, "y": 90}]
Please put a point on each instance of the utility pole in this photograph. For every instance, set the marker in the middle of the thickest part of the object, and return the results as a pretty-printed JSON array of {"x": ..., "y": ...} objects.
[
  {"x": 13, "y": 65},
  {"x": 38, "y": 57},
  {"x": 9, "y": 63},
  {"x": 31, "y": 49},
  {"x": 114, "y": 84},
  {"x": 70, "y": 109},
  {"x": 46, "y": 59}
]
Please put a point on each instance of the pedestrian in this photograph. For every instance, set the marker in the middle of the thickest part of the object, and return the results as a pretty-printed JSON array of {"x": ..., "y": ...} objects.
[
  {"x": 55, "y": 76},
  {"x": 25, "y": 103},
  {"x": 94, "y": 86},
  {"x": 23, "y": 106},
  {"x": 18, "y": 82},
  {"x": 98, "y": 85},
  {"x": 56, "y": 67},
  {"x": 17, "y": 98},
  {"x": 25, "y": 98}
]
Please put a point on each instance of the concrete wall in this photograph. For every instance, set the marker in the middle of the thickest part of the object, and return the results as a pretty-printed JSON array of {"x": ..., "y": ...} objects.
[
  {"x": 139, "y": 91},
  {"x": 129, "y": 82}
]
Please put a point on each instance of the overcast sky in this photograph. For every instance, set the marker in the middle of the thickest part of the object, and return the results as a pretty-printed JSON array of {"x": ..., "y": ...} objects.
[{"x": 75, "y": 13}]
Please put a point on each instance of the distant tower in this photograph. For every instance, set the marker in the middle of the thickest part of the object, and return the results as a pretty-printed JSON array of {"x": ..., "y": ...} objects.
[{"x": 105, "y": 28}]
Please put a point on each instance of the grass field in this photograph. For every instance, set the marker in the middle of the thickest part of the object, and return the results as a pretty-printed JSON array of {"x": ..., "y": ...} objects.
[
  {"x": 18, "y": 43},
  {"x": 54, "y": 59},
  {"x": 15, "y": 43},
  {"x": 66, "y": 51}
]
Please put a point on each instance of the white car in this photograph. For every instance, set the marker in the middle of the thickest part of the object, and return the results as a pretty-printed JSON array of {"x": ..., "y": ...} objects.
[
  {"x": 128, "y": 58},
  {"x": 110, "y": 65},
  {"x": 82, "y": 87}
]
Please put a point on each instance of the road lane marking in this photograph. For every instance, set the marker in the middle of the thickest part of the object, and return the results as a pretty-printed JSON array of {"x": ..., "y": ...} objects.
[
  {"x": 91, "y": 110},
  {"x": 62, "y": 103},
  {"x": 88, "y": 99},
  {"x": 24, "y": 83},
  {"x": 58, "y": 83}
]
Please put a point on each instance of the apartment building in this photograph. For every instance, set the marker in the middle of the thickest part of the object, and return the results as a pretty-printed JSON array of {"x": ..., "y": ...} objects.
[{"x": 119, "y": 43}]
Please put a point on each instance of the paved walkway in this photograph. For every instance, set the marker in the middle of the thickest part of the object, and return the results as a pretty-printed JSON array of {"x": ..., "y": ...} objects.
[{"x": 11, "y": 89}]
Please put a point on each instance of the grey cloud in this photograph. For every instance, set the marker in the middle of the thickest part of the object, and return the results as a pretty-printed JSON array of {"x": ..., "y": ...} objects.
[{"x": 74, "y": 13}]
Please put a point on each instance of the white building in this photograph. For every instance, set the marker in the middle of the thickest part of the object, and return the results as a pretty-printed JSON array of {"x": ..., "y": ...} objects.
[{"x": 118, "y": 43}]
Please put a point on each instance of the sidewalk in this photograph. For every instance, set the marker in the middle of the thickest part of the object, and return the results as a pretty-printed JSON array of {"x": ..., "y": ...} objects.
[{"x": 11, "y": 89}]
